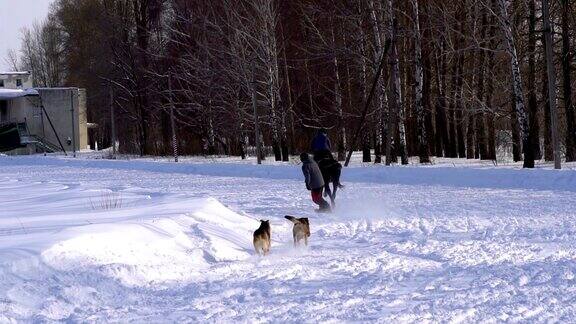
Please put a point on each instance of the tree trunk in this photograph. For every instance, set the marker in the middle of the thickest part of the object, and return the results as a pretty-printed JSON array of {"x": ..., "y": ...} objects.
[
  {"x": 517, "y": 93},
  {"x": 365, "y": 133},
  {"x": 419, "y": 83},
  {"x": 277, "y": 117},
  {"x": 211, "y": 135},
  {"x": 376, "y": 30},
  {"x": 459, "y": 113},
  {"x": 166, "y": 133},
  {"x": 442, "y": 136},
  {"x": 276, "y": 150},
  {"x": 550, "y": 70},
  {"x": 242, "y": 143},
  {"x": 394, "y": 91},
  {"x": 453, "y": 141},
  {"x": 290, "y": 110},
  {"x": 343, "y": 143},
  {"x": 143, "y": 130},
  {"x": 377, "y": 148},
  {"x": 427, "y": 79},
  {"x": 471, "y": 150},
  {"x": 481, "y": 137},
  {"x": 532, "y": 101},
  {"x": 567, "y": 84},
  {"x": 470, "y": 130},
  {"x": 548, "y": 151},
  {"x": 396, "y": 121},
  {"x": 338, "y": 99},
  {"x": 284, "y": 148},
  {"x": 406, "y": 112},
  {"x": 489, "y": 115},
  {"x": 480, "y": 115},
  {"x": 366, "y": 154},
  {"x": 516, "y": 139}
]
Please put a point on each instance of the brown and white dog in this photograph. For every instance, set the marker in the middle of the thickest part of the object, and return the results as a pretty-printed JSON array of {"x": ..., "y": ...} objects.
[
  {"x": 301, "y": 230},
  {"x": 262, "y": 238}
]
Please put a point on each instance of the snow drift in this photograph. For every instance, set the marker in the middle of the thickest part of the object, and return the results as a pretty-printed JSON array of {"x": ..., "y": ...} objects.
[
  {"x": 54, "y": 230},
  {"x": 133, "y": 241},
  {"x": 156, "y": 251}
]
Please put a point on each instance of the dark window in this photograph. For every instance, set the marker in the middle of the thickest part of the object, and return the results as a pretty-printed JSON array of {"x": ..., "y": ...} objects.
[
  {"x": 18, "y": 82},
  {"x": 3, "y": 111},
  {"x": 1, "y": 83}
]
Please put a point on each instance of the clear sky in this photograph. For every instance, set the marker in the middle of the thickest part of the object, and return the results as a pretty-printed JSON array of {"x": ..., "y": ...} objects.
[{"x": 14, "y": 15}]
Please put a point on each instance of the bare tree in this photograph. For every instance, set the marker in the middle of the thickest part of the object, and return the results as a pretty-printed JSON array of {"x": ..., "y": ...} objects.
[
  {"x": 419, "y": 77},
  {"x": 396, "y": 119},
  {"x": 446, "y": 88},
  {"x": 517, "y": 92},
  {"x": 567, "y": 58}
]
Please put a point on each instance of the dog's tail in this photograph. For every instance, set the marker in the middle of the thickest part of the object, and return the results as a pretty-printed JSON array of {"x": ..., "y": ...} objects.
[{"x": 291, "y": 218}]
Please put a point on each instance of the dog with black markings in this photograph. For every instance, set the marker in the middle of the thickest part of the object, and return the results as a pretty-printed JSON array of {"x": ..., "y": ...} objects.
[
  {"x": 301, "y": 230},
  {"x": 262, "y": 238}
]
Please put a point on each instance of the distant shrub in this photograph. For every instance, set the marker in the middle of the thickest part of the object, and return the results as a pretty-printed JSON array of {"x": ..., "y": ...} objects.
[{"x": 108, "y": 200}]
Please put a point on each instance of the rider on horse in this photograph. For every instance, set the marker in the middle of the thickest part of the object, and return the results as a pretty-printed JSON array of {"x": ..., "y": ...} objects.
[{"x": 321, "y": 146}]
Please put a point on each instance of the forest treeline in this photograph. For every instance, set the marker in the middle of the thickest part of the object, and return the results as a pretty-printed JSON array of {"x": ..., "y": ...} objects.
[{"x": 464, "y": 79}]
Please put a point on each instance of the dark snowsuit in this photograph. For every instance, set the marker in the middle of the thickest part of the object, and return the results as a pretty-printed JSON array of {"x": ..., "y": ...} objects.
[
  {"x": 320, "y": 142},
  {"x": 321, "y": 147}
]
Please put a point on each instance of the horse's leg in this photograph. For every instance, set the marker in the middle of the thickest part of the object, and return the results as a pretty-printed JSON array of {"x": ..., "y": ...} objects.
[
  {"x": 326, "y": 177},
  {"x": 335, "y": 185},
  {"x": 337, "y": 178},
  {"x": 333, "y": 196},
  {"x": 327, "y": 191},
  {"x": 330, "y": 192}
]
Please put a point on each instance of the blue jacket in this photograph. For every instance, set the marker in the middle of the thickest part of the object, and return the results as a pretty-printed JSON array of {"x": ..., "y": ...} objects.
[{"x": 320, "y": 143}]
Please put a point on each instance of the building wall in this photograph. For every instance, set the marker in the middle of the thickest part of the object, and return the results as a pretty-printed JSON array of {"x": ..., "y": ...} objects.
[
  {"x": 66, "y": 107},
  {"x": 20, "y": 109},
  {"x": 9, "y": 80},
  {"x": 82, "y": 120}
]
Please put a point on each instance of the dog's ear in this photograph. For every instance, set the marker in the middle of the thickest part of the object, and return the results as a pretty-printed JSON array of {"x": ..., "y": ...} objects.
[{"x": 304, "y": 220}]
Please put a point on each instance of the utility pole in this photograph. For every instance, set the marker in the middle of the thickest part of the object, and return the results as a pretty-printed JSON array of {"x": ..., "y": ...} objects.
[
  {"x": 112, "y": 122},
  {"x": 43, "y": 131},
  {"x": 73, "y": 122},
  {"x": 551, "y": 83},
  {"x": 172, "y": 123},
  {"x": 256, "y": 126}
]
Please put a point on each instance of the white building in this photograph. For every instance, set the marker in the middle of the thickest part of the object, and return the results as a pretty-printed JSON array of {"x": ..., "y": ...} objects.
[
  {"x": 35, "y": 120},
  {"x": 15, "y": 80}
]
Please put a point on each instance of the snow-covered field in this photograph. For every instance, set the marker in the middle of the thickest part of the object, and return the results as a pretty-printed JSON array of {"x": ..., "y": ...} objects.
[{"x": 87, "y": 240}]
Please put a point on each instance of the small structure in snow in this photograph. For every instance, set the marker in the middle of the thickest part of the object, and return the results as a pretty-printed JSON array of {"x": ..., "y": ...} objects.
[{"x": 36, "y": 120}]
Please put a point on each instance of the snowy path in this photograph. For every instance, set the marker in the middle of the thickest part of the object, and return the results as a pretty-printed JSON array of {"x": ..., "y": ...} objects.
[{"x": 412, "y": 246}]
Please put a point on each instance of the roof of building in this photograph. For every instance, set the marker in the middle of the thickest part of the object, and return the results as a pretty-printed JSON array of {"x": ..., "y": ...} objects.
[
  {"x": 7, "y": 94},
  {"x": 15, "y": 73}
]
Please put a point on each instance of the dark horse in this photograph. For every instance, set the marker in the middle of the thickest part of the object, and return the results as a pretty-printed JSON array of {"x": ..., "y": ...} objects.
[{"x": 331, "y": 170}]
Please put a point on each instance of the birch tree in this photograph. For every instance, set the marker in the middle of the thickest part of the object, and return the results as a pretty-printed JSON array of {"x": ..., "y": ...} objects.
[
  {"x": 419, "y": 79},
  {"x": 517, "y": 91},
  {"x": 396, "y": 115}
]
